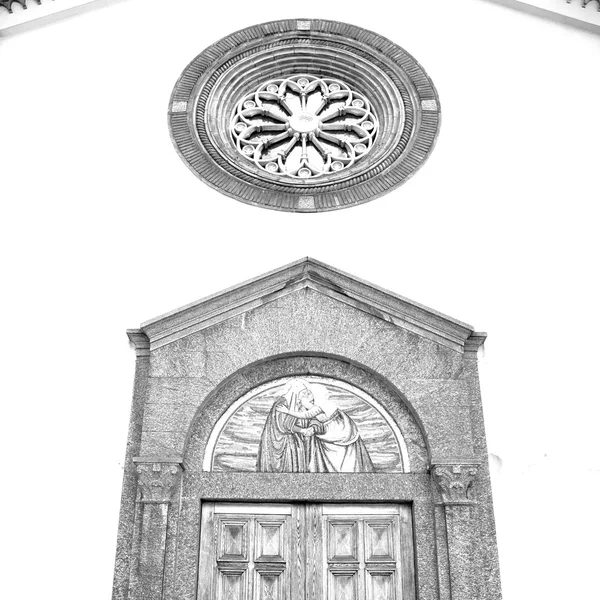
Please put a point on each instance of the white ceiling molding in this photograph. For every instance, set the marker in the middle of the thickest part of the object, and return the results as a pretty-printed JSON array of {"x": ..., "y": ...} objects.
[
  {"x": 20, "y": 15},
  {"x": 577, "y": 13}
]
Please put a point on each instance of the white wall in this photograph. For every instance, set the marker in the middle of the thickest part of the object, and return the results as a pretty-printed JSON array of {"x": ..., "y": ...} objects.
[{"x": 104, "y": 227}]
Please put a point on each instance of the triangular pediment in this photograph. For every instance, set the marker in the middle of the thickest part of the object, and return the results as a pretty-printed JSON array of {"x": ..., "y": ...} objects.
[{"x": 307, "y": 273}]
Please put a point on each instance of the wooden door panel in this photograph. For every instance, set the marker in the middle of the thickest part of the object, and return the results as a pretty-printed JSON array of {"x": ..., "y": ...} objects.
[
  {"x": 271, "y": 540},
  {"x": 316, "y": 576},
  {"x": 381, "y": 585},
  {"x": 233, "y": 539},
  {"x": 306, "y": 552},
  {"x": 270, "y": 585},
  {"x": 343, "y": 541},
  {"x": 244, "y": 552},
  {"x": 232, "y": 584},
  {"x": 379, "y": 540},
  {"x": 343, "y": 584}
]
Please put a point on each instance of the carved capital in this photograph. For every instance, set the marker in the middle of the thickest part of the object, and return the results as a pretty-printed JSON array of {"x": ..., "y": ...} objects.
[
  {"x": 157, "y": 481},
  {"x": 456, "y": 482}
]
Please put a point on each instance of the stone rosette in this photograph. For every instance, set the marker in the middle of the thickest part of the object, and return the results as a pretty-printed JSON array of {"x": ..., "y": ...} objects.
[{"x": 207, "y": 96}]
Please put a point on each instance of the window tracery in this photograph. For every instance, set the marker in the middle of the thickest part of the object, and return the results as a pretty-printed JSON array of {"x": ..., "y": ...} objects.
[{"x": 304, "y": 126}]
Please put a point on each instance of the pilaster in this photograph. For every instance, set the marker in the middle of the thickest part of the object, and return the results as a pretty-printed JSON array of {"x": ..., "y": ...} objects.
[
  {"x": 157, "y": 483},
  {"x": 121, "y": 583},
  {"x": 456, "y": 484}
]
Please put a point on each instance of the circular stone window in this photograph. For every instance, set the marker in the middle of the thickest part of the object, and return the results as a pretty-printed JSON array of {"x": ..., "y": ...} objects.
[{"x": 304, "y": 115}]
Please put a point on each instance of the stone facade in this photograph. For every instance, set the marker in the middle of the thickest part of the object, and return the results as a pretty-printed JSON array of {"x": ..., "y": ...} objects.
[{"x": 307, "y": 319}]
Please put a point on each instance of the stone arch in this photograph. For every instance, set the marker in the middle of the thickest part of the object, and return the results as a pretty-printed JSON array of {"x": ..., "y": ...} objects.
[
  {"x": 389, "y": 400},
  {"x": 198, "y": 486}
]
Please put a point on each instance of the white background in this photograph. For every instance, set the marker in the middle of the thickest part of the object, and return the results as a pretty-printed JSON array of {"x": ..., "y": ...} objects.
[{"x": 103, "y": 227}]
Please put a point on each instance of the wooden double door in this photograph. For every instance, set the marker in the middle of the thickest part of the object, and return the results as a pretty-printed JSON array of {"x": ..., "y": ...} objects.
[{"x": 306, "y": 552}]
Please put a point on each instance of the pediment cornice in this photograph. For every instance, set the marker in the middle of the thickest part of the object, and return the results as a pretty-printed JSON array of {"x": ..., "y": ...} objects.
[{"x": 311, "y": 274}]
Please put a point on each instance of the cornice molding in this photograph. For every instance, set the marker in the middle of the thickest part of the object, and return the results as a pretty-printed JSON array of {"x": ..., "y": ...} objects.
[
  {"x": 139, "y": 341},
  {"x": 474, "y": 343},
  {"x": 307, "y": 273}
]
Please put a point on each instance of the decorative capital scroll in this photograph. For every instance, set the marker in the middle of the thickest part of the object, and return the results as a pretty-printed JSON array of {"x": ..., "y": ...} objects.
[
  {"x": 157, "y": 481},
  {"x": 455, "y": 482}
]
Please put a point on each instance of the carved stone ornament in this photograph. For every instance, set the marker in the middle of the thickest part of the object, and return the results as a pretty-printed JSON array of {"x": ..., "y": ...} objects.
[
  {"x": 584, "y": 3},
  {"x": 157, "y": 481},
  {"x": 304, "y": 126},
  {"x": 304, "y": 115},
  {"x": 7, "y": 4},
  {"x": 309, "y": 424},
  {"x": 456, "y": 482}
]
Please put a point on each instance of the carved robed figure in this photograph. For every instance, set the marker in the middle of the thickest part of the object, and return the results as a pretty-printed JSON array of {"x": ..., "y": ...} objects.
[{"x": 304, "y": 433}]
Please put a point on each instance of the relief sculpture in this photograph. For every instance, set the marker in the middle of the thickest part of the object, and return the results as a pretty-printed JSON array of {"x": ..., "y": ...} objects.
[
  {"x": 303, "y": 434},
  {"x": 307, "y": 425}
]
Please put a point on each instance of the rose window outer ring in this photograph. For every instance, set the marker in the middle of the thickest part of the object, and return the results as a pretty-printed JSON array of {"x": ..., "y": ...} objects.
[{"x": 401, "y": 98}]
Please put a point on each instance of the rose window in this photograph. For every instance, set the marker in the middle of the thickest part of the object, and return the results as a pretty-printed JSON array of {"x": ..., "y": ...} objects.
[
  {"x": 304, "y": 115},
  {"x": 304, "y": 126}
]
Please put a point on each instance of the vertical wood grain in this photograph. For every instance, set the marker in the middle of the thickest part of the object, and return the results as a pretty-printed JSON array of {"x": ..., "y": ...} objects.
[{"x": 407, "y": 552}]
